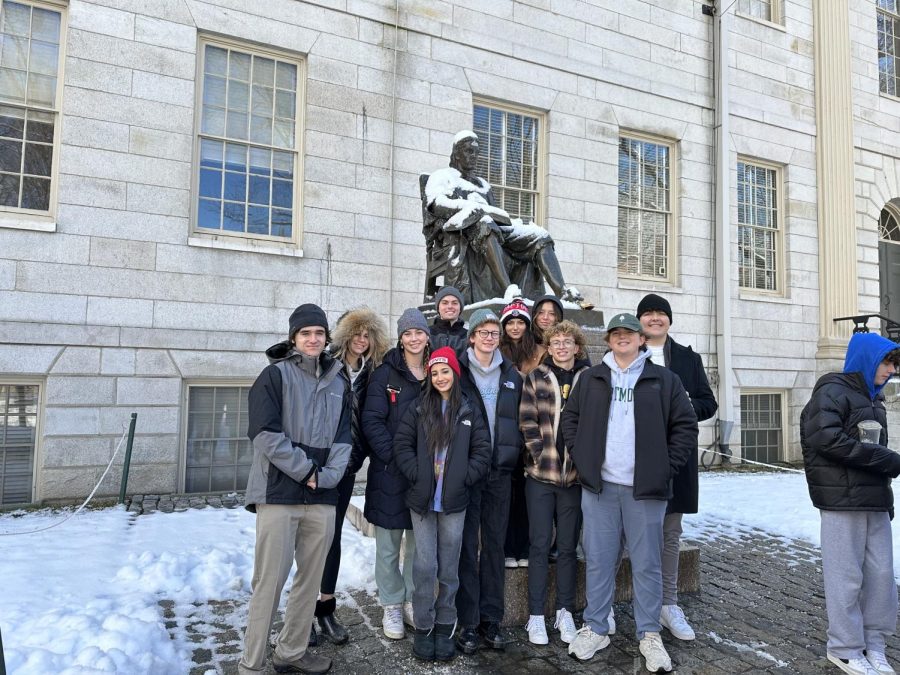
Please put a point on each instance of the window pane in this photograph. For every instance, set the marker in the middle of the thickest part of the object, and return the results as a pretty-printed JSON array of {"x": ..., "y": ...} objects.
[
  {"x": 235, "y": 186},
  {"x": 263, "y": 71},
  {"x": 282, "y": 193},
  {"x": 216, "y": 60},
  {"x": 9, "y": 190},
  {"x": 18, "y": 421},
  {"x": 38, "y": 159},
  {"x": 233, "y": 217},
  {"x": 258, "y": 220},
  {"x": 44, "y": 57},
  {"x": 757, "y": 226},
  {"x": 214, "y": 91},
  {"x": 12, "y": 84},
  {"x": 239, "y": 66},
  {"x": 10, "y": 156},
  {"x": 210, "y": 183},
  {"x": 286, "y": 77},
  {"x": 281, "y": 223},
  {"x": 210, "y": 214},
  {"x": 40, "y": 126},
  {"x": 213, "y": 121},
  {"x": 12, "y": 122},
  {"x": 218, "y": 453},
  {"x": 35, "y": 193},
  {"x": 41, "y": 90},
  {"x": 13, "y": 52},
  {"x": 45, "y": 25},
  {"x": 16, "y": 18}
]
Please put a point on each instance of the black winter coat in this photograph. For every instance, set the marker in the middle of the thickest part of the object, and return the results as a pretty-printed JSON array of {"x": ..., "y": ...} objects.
[
  {"x": 508, "y": 443},
  {"x": 445, "y": 334},
  {"x": 686, "y": 363},
  {"x": 385, "y": 486},
  {"x": 467, "y": 463},
  {"x": 356, "y": 398},
  {"x": 844, "y": 474},
  {"x": 665, "y": 428}
]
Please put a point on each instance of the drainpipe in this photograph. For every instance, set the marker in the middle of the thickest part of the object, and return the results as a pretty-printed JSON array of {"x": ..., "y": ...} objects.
[{"x": 723, "y": 239}]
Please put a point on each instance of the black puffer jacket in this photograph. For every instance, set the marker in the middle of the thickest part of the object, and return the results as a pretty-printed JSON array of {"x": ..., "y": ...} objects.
[
  {"x": 386, "y": 487},
  {"x": 467, "y": 463},
  {"x": 686, "y": 363},
  {"x": 844, "y": 474},
  {"x": 446, "y": 334},
  {"x": 356, "y": 398},
  {"x": 508, "y": 442}
]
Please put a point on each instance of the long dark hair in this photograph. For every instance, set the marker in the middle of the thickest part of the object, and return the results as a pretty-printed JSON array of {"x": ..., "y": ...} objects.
[
  {"x": 438, "y": 425},
  {"x": 518, "y": 352},
  {"x": 535, "y": 329}
]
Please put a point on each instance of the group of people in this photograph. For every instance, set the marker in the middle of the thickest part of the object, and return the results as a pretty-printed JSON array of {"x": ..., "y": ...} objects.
[{"x": 495, "y": 443}]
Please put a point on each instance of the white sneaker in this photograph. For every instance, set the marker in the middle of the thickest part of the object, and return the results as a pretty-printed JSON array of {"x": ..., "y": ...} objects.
[
  {"x": 655, "y": 654},
  {"x": 408, "y": 615},
  {"x": 879, "y": 662},
  {"x": 565, "y": 624},
  {"x": 587, "y": 643},
  {"x": 522, "y": 562},
  {"x": 611, "y": 621},
  {"x": 392, "y": 622},
  {"x": 509, "y": 563},
  {"x": 537, "y": 630},
  {"x": 857, "y": 666},
  {"x": 672, "y": 618}
]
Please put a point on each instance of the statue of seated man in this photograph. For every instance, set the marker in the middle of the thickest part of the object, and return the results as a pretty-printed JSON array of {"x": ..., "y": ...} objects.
[{"x": 487, "y": 250}]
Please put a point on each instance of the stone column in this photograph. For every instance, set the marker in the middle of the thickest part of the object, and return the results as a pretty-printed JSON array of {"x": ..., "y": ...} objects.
[{"x": 838, "y": 282}]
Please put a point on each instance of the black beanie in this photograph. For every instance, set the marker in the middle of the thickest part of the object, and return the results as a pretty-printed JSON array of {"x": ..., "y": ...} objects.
[
  {"x": 652, "y": 301},
  {"x": 305, "y": 316}
]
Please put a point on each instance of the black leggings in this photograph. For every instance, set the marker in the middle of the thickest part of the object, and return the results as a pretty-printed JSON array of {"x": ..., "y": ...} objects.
[{"x": 333, "y": 560}]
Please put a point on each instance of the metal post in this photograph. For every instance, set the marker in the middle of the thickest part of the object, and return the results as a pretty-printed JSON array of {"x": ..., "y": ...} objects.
[{"x": 127, "y": 464}]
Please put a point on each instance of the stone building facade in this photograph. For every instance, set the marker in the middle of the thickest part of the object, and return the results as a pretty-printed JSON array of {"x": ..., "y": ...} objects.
[{"x": 177, "y": 175}]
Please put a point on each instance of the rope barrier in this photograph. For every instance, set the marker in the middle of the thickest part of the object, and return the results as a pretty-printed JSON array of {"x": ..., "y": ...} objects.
[
  {"x": 750, "y": 461},
  {"x": 85, "y": 503}
]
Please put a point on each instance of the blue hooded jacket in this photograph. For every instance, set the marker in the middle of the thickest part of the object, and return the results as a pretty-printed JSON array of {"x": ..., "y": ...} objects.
[{"x": 865, "y": 352}]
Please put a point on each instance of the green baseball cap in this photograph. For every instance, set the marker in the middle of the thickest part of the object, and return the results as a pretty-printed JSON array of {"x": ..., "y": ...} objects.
[{"x": 627, "y": 321}]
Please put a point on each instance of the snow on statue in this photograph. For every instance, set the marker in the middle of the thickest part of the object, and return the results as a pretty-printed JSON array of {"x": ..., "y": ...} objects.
[{"x": 487, "y": 250}]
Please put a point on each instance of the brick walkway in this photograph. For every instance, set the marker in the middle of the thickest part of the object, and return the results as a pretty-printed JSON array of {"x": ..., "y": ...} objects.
[{"x": 760, "y": 610}]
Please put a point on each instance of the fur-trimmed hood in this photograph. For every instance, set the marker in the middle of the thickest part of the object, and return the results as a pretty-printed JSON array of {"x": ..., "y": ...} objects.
[{"x": 353, "y": 322}]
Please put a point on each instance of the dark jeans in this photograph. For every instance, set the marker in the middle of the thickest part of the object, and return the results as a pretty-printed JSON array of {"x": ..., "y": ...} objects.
[
  {"x": 333, "y": 560},
  {"x": 517, "y": 528},
  {"x": 481, "y": 580},
  {"x": 544, "y": 502}
]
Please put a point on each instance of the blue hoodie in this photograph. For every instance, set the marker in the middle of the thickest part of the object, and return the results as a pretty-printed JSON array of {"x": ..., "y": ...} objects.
[{"x": 865, "y": 353}]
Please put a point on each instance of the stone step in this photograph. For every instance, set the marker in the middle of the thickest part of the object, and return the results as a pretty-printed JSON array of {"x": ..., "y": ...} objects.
[{"x": 516, "y": 590}]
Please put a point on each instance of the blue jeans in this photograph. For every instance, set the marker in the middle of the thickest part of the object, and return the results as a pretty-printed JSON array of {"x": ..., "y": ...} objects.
[
  {"x": 607, "y": 516},
  {"x": 438, "y": 541}
]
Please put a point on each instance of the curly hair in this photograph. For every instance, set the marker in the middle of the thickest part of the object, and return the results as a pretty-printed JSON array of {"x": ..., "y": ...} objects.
[{"x": 569, "y": 329}]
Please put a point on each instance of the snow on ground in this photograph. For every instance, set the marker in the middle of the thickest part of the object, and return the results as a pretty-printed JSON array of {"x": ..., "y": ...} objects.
[{"x": 83, "y": 597}]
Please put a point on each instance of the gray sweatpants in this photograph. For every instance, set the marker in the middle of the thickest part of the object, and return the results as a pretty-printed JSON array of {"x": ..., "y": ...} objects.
[
  {"x": 860, "y": 592},
  {"x": 394, "y": 586},
  {"x": 607, "y": 515},
  {"x": 671, "y": 540}
]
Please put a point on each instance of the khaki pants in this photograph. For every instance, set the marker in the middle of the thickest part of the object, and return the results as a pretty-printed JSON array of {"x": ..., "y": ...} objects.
[{"x": 284, "y": 533}]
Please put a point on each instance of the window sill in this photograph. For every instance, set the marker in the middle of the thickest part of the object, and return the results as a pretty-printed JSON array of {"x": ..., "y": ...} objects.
[
  {"x": 25, "y": 221},
  {"x": 764, "y": 22},
  {"x": 633, "y": 284},
  {"x": 763, "y": 297},
  {"x": 246, "y": 246}
]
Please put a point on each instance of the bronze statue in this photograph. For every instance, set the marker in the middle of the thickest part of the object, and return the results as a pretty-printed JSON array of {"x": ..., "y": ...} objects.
[{"x": 475, "y": 245}]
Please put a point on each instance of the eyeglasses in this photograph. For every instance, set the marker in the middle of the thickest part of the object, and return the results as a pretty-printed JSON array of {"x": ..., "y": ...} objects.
[
  {"x": 485, "y": 334},
  {"x": 561, "y": 344}
]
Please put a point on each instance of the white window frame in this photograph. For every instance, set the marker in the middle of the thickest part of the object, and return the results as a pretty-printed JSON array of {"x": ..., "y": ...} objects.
[
  {"x": 893, "y": 16},
  {"x": 783, "y": 394},
  {"x": 34, "y": 219},
  {"x": 17, "y": 380},
  {"x": 780, "y": 289},
  {"x": 243, "y": 240},
  {"x": 540, "y": 191},
  {"x": 672, "y": 229},
  {"x": 776, "y": 10},
  {"x": 185, "y": 416}
]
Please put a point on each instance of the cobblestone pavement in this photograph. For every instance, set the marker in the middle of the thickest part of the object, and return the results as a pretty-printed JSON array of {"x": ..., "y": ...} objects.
[{"x": 760, "y": 610}]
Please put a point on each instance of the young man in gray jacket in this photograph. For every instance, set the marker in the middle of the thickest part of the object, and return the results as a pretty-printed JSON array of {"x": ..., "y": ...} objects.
[{"x": 300, "y": 428}]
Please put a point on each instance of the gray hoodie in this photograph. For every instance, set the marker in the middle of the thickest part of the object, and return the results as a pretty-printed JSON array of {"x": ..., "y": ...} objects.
[
  {"x": 618, "y": 467},
  {"x": 487, "y": 380}
]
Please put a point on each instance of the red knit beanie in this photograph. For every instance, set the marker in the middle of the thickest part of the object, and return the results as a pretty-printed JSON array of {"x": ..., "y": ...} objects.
[{"x": 445, "y": 355}]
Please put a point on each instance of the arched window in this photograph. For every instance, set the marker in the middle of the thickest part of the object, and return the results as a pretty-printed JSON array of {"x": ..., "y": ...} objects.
[{"x": 889, "y": 224}]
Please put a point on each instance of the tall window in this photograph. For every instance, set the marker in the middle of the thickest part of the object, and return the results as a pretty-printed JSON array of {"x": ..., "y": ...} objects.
[
  {"x": 30, "y": 63},
  {"x": 18, "y": 421},
  {"x": 762, "y": 437},
  {"x": 645, "y": 214},
  {"x": 758, "y": 223},
  {"x": 888, "y": 15},
  {"x": 218, "y": 452},
  {"x": 509, "y": 158},
  {"x": 248, "y": 144}
]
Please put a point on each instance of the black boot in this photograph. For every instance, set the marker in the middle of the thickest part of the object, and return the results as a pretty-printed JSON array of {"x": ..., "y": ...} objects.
[
  {"x": 313, "y": 636},
  {"x": 444, "y": 649},
  {"x": 423, "y": 645},
  {"x": 329, "y": 625},
  {"x": 492, "y": 635},
  {"x": 467, "y": 640}
]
